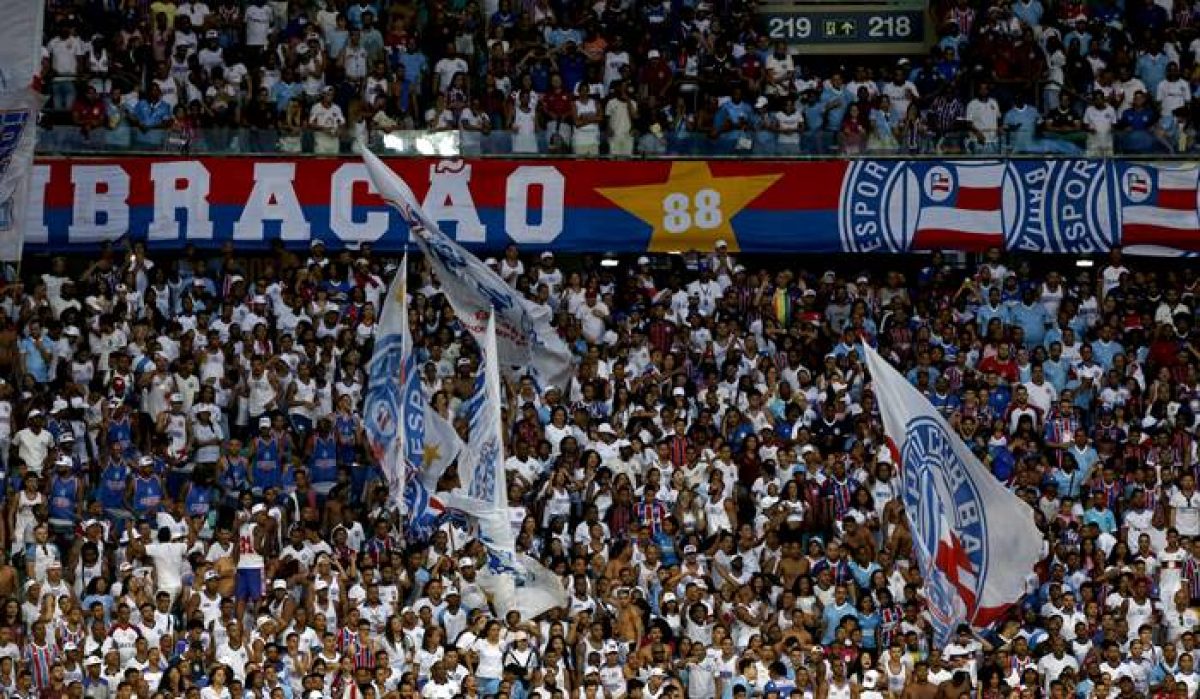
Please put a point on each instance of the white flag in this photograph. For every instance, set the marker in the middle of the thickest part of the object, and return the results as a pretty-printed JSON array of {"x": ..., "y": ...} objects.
[
  {"x": 442, "y": 447},
  {"x": 976, "y": 542},
  {"x": 392, "y": 383},
  {"x": 514, "y": 580},
  {"x": 18, "y": 136},
  {"x": 526, "y": 341}
]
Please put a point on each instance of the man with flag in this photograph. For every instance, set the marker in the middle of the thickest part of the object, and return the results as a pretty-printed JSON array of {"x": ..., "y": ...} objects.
[{"x": 975, "y": 541}]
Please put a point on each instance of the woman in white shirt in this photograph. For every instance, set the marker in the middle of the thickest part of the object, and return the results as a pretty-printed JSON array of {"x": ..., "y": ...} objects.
[
  {"x": 586, "y": 139},
  {"x": 490, "y": 650},
  {"x": 216, "y": 688}
]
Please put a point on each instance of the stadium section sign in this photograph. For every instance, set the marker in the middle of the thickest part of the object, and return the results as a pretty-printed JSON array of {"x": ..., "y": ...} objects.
[
  {"x": 1053, "y": 206},
  {"x": 841, "y": 29}
]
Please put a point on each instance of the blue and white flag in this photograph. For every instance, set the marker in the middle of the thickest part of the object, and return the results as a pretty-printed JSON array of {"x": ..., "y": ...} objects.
[
  {"x": 390, "y": 373},
  {"x": 442, "y": 447},
  {"x": 976, "y": 542},
  {"x": 514, "y": 581},
  {"x": 526, "y": 341}
]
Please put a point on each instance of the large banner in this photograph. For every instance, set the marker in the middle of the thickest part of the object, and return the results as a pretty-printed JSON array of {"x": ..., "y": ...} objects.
[{"x": 1053, "y": 206}]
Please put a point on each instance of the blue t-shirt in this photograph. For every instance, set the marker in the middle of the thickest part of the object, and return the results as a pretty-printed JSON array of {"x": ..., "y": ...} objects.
[
  {"x": 35, "y": 363},
  {"x": 1022, "y": 124}
]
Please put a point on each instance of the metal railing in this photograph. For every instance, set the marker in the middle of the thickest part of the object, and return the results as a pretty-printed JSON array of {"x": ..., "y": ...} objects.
[{"x": 70, "y": 140}]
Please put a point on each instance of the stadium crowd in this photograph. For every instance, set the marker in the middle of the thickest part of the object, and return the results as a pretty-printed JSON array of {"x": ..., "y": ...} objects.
[
  {"x": 191, "y": 511},
  {"x": 613, "y": 76}
]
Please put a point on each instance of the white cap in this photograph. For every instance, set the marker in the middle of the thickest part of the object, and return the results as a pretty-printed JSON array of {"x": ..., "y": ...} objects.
[
  {"x": 605, "y": 428},
  {"x": 465, "y": 562},
  {"x": 258, "y": 508},
  {"x": 643, "y": 260},
  {"x": 211, "y": 575},
  {"x": 721, "y": 245},
  {"x": 547, "y": 255},
  {"x": 689, "y": 549},
  {"x": 264, "y": 422},
  {"x": 451, "y": 591},
  {"x": 320, "y": 585},
  {"x": 669, "y": 597},
  {"x": 653, "y": 53},
  {"x": 279, "y": 585},
  {"x": 34, "y": 413},
  {"x": 679, "y": 391},
  {"x": 146, "y": 461},
  {"x": 59, "y": 405},
  {"x": 176, "y": 397},
  {"x": 93, "y": 660}
]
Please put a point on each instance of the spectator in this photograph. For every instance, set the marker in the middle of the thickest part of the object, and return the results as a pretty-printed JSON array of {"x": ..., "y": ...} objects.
[{"x": 326, "y": 120}]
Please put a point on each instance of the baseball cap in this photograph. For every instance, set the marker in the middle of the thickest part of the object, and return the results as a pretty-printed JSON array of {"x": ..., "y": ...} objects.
[
  {"x": 279, "y": 585},
  {"x": 653, "y": 53},
  {"x": 176, "y": 397},
  {"x": 212, "y": 575},
  {"x": 689, "y": 549},
  {"x": 466, "y": 562},
  {"x": 264, "y": 422},
  {"x": 320, "y": 585},
  {"x": 93, "y": 660},
  {"x": 258, "y": 508}
]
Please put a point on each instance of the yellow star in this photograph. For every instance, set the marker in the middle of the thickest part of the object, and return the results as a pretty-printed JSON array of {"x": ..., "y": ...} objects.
[
  {"x": 431, "y": 454},
  {"x": 692, "y": 210}
]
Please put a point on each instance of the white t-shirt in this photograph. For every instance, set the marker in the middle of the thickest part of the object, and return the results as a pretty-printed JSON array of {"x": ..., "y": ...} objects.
[
  {"x": 491, "y": 659},
  {"x": 169, "y": 560},
  {"x": 32, "y": 448},
  {"x": 447, "y": 68},
  {"x": 900, "y": 96},
  {"x": 984, "y": 115},
  {"x": 612, "y": 66},
  {"x": 790, "y": 126},
  {"x": 64, "y": 54},
  {"x": 326, "y": 117},
  {"x": 1187, "y": 512},
  {"x": 1100, "y": 120},
  {"x": 258, "y": 24}
]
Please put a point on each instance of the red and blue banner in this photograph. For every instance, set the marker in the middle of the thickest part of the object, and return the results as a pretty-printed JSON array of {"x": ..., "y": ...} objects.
[{"x": 1052, "y": 206}]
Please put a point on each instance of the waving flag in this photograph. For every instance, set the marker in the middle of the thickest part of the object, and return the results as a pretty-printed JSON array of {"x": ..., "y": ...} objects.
[
  {"x": 389, "y": 373},
  {"x": 975, "y": 541},
  {"x": 514, "y": 580},
  {"x": 527, "y": 343},
  {"x": 442, "y": 447}
]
